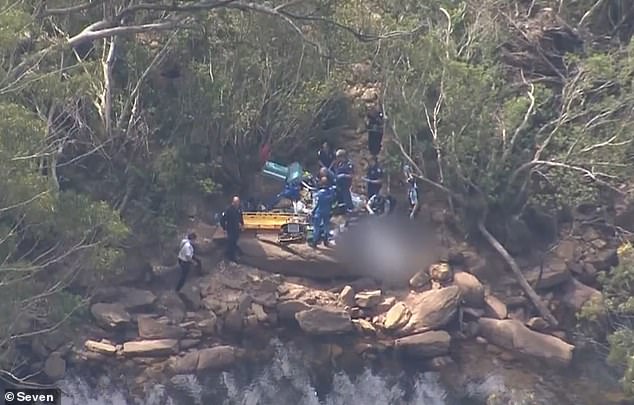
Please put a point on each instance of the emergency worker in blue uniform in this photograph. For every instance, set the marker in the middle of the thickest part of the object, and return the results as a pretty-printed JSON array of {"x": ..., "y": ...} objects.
[
  {"x": 344, "y": 170},
  {"x": 322, "y": 212},
  {"x": 292, "y": 191},
  {"x": 374, "y": 177}
]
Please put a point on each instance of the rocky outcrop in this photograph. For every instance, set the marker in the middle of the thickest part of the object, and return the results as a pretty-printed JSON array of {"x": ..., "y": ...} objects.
[
  {"x": 575, "y": 294},
  {"x": 214, "y": 358},
  {"x": 368, "y": 299},
  {"x": 514, "y": 336},
  {"x": 431, "y": 309},
  {"x": 346, "y": 296},
  {"x": 100, "y": 347},
  {"x": 150, "y": 328},
  {"x": 110, "y": 315},
  {"x": 426, "y": 344},
  {"x": 471, "y": 288},
  {"x": 322, "y": 321},
  {"x": 494, "y": 308},
  {"x": 149, "y": 348},
  {"x": 397, "y": 317},
  {"x": 132, "y": 299},
  {"x": 553, "y": 273},
  {"x": 286, "y": 310}
]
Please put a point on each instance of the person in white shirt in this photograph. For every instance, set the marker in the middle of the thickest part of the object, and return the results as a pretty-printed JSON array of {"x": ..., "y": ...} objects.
[{"x": 186, "y": 257}]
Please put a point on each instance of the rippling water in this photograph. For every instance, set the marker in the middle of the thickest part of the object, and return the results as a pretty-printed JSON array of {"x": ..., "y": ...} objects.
[{"x": 287, "y": 380}]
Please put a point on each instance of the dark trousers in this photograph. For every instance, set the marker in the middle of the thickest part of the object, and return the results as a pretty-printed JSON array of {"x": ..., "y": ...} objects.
[
  {"x": 373, "y": 189},
  {"x": 185, "y": 268},
  {"x": 375, "y": 140},
  {"x": 232, "y": 248}
]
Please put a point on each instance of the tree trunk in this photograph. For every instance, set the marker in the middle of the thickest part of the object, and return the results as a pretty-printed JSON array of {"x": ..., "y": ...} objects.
[{"x": 536, "y": 300}]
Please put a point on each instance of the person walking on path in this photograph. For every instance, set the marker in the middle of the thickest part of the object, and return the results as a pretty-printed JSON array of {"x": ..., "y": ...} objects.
[
  {"x": 186, "y": 257},
  {"x": 232, "y": 223}
]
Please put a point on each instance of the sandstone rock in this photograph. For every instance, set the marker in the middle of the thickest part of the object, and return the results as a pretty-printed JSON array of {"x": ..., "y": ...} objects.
[
  {"x": 397, "y": 317},
  {"x": 346, "y": 296},
  {"x": 189, "y": 343},
  {"x": 590, "y": 234},
  {"x": 440, "y": 362},
  {"x": 494, "y": 308},
  {"x": 259, "y": 313},
  {"x": 369, "y": 95},
  {"x": 432, "y": 309},
  {"x": 190, "y": 294},
  {"x": 555, "y": 272},
  {"x": 471, "y": 288},
  {"x": 441, "y": 272},
  {"x": 172, "y": 306},
  {"x": 356, "y": 313},
  {"x": 55, "y": 367},
  {"x": 566, "y": 250},
  {"x": 364, "y": 326},
  {"x": 575, "y": 294},
  {"x": 110, "y": 315},
  {"x": 150, "y": 348},
  {"x": 426, "y": 344},
  {"x": 129, "y": 298},
  {"x": 518, "y": 314},
  {"x": 100, "y": 347},
  {"x": 368, "y": 299},
  {"x": 514, "y": 336},
  {"x": 217, "y": 358},
  {"x": 152, "y": 329},
  {"x": 599, "y": 243},
  {"x": 515, "y": 301},
  {"x": 420, "y": 279},
  {"x": 208, "y": 325},
  {"x": 320, "y": 321},
  {"x": 287, "y": 309},
  {"x": 386, "y": 304},
  {"x": 537, "y": 324}
]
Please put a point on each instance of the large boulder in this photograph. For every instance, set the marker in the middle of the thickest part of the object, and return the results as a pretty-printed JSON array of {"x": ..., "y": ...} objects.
[
  {"x": 420, "y": 279},
  {"x": 100, "y": 347},
  {"x": 216, "y": 358},
  {"x": 432, "y": 309},
  {"x": 346, "y": 296},
  {"x": 150, "y": 328},
  {"x": 494, "y": 307},
  {"x": 515, "y": 336},
  {"x": 171, "y": 305},
  {"x": 190, "y": 294},
  {"x": 426, "y": 344},
  {"x": 575, "y": 294},
  {"x": 553, "y": 273},
  {"x": 471, "y": 288},
  {"x": 149, "y": 348},
  {"x": 397, "y": 317},
  {"x": 441, "y": 272},
  {"x": 368, "y": 299},
  {"x": 132, "y": 299},
  {"x": 110, "y": 315},
  {"x": 321, "y": 321},
  {"x": 286, "y": 310}
]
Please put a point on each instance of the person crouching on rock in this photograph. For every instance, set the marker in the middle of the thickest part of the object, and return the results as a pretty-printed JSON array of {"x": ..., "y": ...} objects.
[
  {"x": 321, "y": 212},
  {"x": 185, "y": 258},
  {"x": 232, "y": 223}
]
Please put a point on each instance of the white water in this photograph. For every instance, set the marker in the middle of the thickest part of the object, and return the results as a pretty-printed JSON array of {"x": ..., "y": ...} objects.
[{"x": 283, "y": 381}]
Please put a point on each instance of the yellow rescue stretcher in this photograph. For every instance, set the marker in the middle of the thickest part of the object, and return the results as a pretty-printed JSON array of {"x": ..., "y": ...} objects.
[{"x": 290, "y": 227}]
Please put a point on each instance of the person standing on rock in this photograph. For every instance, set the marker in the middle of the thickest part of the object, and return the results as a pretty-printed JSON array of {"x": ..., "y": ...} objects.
[
  {"x": 375, "y": 130},
  {"x": 412, "y": 192},
  {"x": 322, "y": 212},
  {"x": 186, "y": 257},
  {"x": 344, "y": 171},
  {"x": 374, "y": 177},
  {"x": 325, "y": 156},
  {"x": 232, "y": 223}
]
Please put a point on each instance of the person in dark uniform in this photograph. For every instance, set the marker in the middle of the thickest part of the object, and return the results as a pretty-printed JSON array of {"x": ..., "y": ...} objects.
[
  {"x": 374, "y": 177},
  {"x": 344, "y": 170},
  {"x": 325, "y": 156},
  {"x": 232, "y": 223},
  {"x": 375, "y": 130},
  {"x": 412, "y": 192},
  {"x": 380, "y": 205}
]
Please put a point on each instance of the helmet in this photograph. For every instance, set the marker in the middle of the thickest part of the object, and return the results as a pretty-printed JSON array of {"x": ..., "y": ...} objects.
[{"x": 340, "y": 153}]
